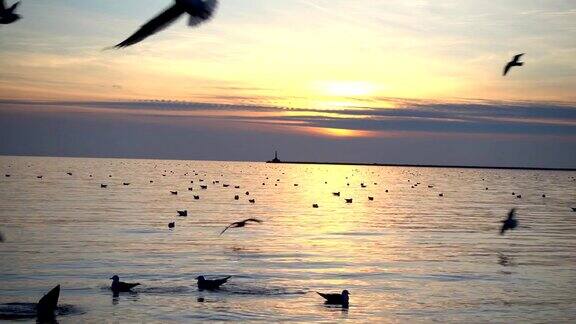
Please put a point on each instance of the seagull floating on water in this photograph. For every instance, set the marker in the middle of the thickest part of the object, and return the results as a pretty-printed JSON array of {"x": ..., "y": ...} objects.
[
  {"x": 199, "y": 11},
  {"x": 119, "y": 286},
  {"x": 241, "y": 224},
  {"x": 171, "y": 225},
  {"x": 337, "y": 299},
  {"x": 515, "y": 62},
  {"x": 510, "y": 223},
  {"x": 8, "y": 15},
  {"x": 207, "y": 284}
]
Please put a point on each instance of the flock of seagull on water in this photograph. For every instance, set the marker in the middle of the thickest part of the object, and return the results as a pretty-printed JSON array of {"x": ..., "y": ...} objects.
[
  {"x": 198, "y": 11},
  {"x": 48, "y": 304}
]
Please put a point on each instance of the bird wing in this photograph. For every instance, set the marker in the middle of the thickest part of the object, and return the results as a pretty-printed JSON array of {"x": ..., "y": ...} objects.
[
  {"x": 128, "y": 285},
  {"x": 222, "y": 281},
  {"x": 329, "y": 297},
  {"x": 153, "y": 26},
  {"x": 503, "y": 229},
  {"x": 206, "y": 13},
  {"x": 14, "y": 6},
  {"x": 517, "y": 57},
  {"x": 325, "y": 296},
  {"x": 511, "y": 213},
  {"x": 2, "y": 6},
  {"x": 507, "y": 68},
  {"x": 227, "y": 227},
  {"x": 256, "y": 220}
]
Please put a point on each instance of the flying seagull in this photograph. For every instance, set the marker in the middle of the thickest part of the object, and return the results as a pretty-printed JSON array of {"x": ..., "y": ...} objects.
[
  {"x": 241, "y": 224},
  {"x": 207, "y": 284},
  {"x": 199, "y": 11},
  {"x": 510, "y": 223},
  {"x": 7, "y": 15},
  {"x": 119, "y": 286},
  {"x": 337, "y": 299},
  {"x": 515, "y": 62}
]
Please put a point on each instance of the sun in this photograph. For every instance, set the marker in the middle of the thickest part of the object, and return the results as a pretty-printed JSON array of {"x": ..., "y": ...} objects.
[{"x": 347, "y": 88}]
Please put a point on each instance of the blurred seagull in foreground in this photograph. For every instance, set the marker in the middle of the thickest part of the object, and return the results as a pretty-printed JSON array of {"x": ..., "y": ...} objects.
[
  {"x": 336, "y": 299},
  {"x": 241, "y": 224},
  {"x": 119, "y": 286},
  {"x": 515, "y": 62},
  {"x": 510, "y": 223},
  {"x": 47, "y": 306},
  {"x": 199, "y": 11},
  {"x": 207, "y": 284},
  {"x": 7, "y": 15}
]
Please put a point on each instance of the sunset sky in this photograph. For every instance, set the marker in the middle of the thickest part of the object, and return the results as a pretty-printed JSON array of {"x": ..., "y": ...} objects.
[{"x": 365, "y": 80}]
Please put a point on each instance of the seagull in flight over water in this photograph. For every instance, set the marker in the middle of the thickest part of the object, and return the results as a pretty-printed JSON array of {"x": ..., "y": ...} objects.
[
  {"x": 7, "y": 15},
  {"x": 241, "y": 224},
  {"x": 509, "y": 223},
  {"x": 515, "y": 62},
  {"x": 199, "y": 11}
]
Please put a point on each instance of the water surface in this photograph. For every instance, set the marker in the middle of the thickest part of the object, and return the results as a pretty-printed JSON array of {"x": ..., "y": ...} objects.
[{"x": 408, "y": 256}]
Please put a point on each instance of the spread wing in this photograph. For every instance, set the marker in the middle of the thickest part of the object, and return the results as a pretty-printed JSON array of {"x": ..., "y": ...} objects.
[
  {"x": 227, "y": 227},
  {"x": 507, "y": 68},
  {"x": 153, "y": 26},
  {"x": 253, "y": 220},
  {"x": 14, "y": 6},
  {"x": 517, "y": 57},
  {"x": 204, "y": 14},
  {"x": 511, "y": 213},
  {"x": 504, "y": 228}
]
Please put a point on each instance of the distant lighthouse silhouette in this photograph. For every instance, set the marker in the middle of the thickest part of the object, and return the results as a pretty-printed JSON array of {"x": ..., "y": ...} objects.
[{"x": 276, "y": 159}]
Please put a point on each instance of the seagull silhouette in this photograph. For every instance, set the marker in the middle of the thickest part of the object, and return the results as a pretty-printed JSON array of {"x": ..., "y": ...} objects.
[
  {"x": 7, "y": 15},
  {"x": 241, "y": 224},
  {"x": 207, "y": 284},
  {"x": 199, "y": 11},
  {"x": 509, "y": 223},
  {"x": 119, "y": 286},
  {"x": 337, "y": 299},
  {"x": 515, "y": 62}
]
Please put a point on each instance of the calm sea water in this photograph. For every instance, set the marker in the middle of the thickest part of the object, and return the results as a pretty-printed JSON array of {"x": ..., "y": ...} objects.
[{"x": 408, "y": 256}]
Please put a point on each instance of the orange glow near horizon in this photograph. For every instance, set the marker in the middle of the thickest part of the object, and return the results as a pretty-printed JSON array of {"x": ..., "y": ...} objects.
[{"x": 340, "y": 132}]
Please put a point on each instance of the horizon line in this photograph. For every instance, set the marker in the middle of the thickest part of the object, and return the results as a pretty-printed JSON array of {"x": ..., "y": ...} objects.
[{"x": 374, "y": 164}]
